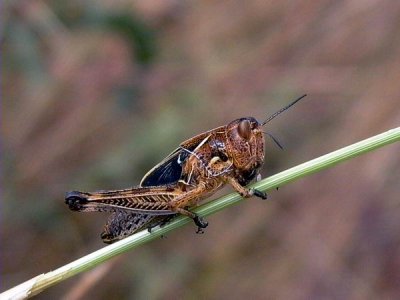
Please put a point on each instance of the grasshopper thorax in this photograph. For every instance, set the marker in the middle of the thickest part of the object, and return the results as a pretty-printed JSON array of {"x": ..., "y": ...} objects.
[{"x": 245, "y": 147}]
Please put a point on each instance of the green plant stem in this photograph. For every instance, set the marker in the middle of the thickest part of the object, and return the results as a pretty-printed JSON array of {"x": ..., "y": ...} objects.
[{"x": 43, "y": 281}]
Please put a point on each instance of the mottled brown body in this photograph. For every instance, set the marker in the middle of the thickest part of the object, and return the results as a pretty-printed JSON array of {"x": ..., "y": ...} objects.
[{"x": 231, "y": 154}]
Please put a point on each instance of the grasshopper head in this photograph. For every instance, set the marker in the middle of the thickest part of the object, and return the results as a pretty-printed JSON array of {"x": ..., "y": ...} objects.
[{"x": 245, "y": 146}]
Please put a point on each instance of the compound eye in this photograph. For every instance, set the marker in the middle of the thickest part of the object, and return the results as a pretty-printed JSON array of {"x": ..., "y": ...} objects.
[{"x": 244, "y": 129}]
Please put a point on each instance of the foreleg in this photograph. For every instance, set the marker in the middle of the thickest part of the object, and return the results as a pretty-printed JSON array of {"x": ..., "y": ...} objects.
[{"x": 246, "y": 192}]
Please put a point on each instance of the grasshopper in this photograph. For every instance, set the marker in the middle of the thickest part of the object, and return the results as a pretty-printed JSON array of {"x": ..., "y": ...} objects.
[{"x": 230, "y": 154}]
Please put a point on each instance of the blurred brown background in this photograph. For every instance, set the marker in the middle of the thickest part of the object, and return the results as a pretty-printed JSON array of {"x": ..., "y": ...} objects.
[{"x": 97, "y": 92}]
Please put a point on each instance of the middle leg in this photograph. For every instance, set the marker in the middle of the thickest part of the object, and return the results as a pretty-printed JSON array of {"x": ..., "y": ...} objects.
[{"x": 181, "y": 202}]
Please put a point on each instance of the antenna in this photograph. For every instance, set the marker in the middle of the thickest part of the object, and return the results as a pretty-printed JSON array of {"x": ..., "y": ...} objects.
[{"x": 282, "y": 110}]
